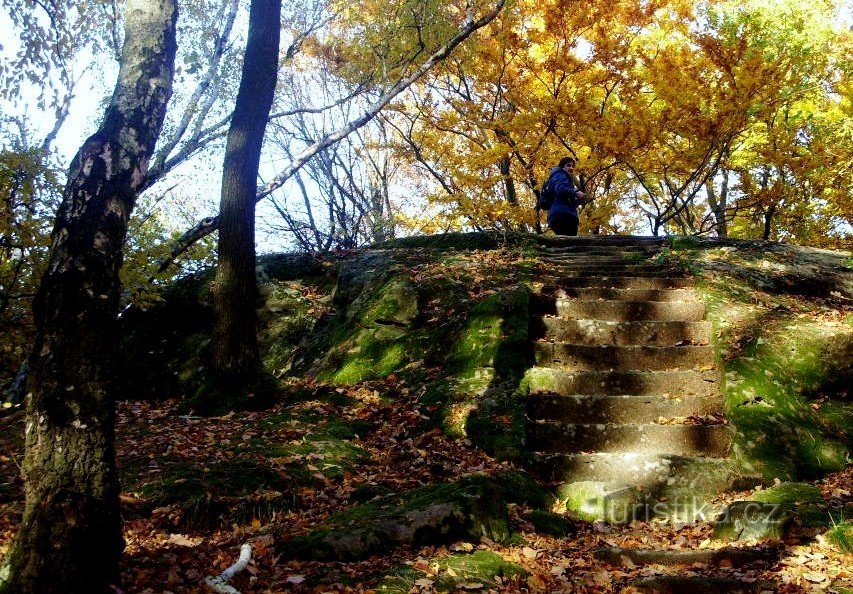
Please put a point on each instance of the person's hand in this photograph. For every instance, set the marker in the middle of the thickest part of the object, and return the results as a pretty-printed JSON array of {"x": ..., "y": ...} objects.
[{"x": 582, "y": 197}]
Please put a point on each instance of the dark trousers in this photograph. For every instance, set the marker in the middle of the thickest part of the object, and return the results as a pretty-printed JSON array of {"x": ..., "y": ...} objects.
[{"x": 563, "y": 224}]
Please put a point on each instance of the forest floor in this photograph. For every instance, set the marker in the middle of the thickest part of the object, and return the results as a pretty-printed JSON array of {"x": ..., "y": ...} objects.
[{"x": 173, "y": 546}]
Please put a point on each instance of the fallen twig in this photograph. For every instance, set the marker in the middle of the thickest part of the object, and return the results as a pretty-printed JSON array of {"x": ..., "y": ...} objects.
[{"x": 219, "y": 584}]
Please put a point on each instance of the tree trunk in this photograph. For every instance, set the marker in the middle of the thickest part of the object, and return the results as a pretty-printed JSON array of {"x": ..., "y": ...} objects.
[
  {"x": 235, "y": 346},
  {"x": 70, "y": 539},
  {"x": 768, "y": 221},
  {"x": 509, "y": 183},
  {"x": 719, "y": 206}
]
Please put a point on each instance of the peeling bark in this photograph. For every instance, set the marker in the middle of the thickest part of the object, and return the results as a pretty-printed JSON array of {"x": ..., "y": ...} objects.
[{"x": 70, "y": 539}]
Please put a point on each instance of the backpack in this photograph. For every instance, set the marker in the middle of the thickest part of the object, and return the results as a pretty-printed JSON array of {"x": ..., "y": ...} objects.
[{"x": 546, "y": 195}]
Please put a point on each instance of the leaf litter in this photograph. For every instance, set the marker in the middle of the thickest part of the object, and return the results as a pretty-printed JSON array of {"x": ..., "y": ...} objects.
[{"x": 404, "y": 452}]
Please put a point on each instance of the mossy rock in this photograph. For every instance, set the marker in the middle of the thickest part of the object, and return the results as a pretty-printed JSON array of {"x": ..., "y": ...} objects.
[
  {"x": 461, "y": 241},
  {"x": 235, "y": 491},
  {"x": 521, "y": 488},
  {"x": 370, "y": 338},
  {"x": 495, "y": 336},
  {"x": 470, "y": 508},
  {"x": 332, "y": 457},
  {"x": 287, "y": 317},
  {"x": 753, "y": 520},
  {"x": 786, "y": 510},
  {"x": 293, "y": 266},
  {"x": 677, "y": 584},
  {"x": 454, "y": 573},
  {"x": 591, "y": 501},
  {"x": 550, "y": 523},
  {"x": 789, "y": 493},
  {"x": 776, "y": 361}
]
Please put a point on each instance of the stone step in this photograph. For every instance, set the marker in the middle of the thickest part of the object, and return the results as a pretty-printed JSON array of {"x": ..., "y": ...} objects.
[
  {"x": 601, "y": 240},
  {"x": 625, "y": 252},
  {"x": 614, "y": 383},
  {"x": 618, "y": 281},
  {"x": 584, "y": 357},
  {"x": 684, "y": 440},
  {"x": 602, "y": 332},
  {"x": 646, "y": 470},
  {"x": 619, "y": 409},
  {"x": 624, "y": 311},
  {"x": 615, "y": 294},
  {"x": 726, "y": 556},
  {"x": 570, "y": 267},
  {"x": 678, "y": 584},
  {"x": 621, "y": 258}
]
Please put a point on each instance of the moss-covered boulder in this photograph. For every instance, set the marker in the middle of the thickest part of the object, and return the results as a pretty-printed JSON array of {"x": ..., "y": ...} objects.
[
  {"x": 591, "y": 500},
  {"x": 470, "y": 508},
  {"x": 238, "y": 490},
  {"x": 546, "y": 522},
  {"x": 786, "y": 510},
  {"x": 785, "y": 339},
  {"x": 368, "y": 337},
  {"x": 476, "y": 571}
]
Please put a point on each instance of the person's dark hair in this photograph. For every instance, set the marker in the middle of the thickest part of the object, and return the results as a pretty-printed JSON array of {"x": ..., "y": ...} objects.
[{"x": 564, "y": 161}]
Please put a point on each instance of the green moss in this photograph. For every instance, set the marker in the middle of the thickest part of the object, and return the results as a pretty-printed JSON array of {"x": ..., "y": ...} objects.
[
  {"x": 519, "y": 487},
  {"x": 498, "y": 425},
  {"x": 291, "y": 311},
  {"x": 590, "y": 501},
  {"x": 486, "y": 364},
  {"x": 332, "y": 457},
  {"x": 221, "y": 393},
  {"x": 452, "y": 573},
  {"x": 550, "y": 523},
  {"x": 236, "y": 490},
  {"x": 789, "y": 493},
  {"x": 752, "y": 521},
  {"x": 469, "y": 508},
  {"x": 479, "y": 567},
  {"x": 778, "y": 431},
  {"x": 496, "y": 329},
  {"x": 776, "y": 359},
  {"x": 373, "y": 340}
]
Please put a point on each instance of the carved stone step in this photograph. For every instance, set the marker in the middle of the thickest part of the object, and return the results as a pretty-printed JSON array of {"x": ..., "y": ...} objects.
[
  {"x": 619, "y": 409},
  {"x": 684, "y": 440},
  {"x": 623, "y": 358},
  {"x": 631, "y": 311},
  {"x": 599, "y": 241},
  {"x": 573, "y": 267},
  {"x": 619, "y": 281},
  {"x": 614, "y": 294},
  {"x": 648, "y": 470},
  {"x": 624, "y": 252},
  {"x": 599, "y": 259},
  {"x": 674, "y": 383},
  {"x": 602, "y": 332}
]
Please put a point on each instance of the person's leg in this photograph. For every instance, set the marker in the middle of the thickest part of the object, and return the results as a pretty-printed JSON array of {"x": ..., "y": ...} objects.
[
  {"x": 572, "y": 226},
  {"x": 564, "y": 225}
]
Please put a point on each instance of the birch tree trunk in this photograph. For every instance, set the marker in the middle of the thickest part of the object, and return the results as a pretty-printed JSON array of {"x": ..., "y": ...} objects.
[{"x": 70, "y": 539}]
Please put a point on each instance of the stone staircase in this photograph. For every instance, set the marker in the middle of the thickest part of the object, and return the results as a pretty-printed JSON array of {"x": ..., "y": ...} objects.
[{"x": 625, "y": 394}]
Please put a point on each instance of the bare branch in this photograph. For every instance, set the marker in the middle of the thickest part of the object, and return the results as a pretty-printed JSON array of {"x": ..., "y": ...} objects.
[{"x": 470, "y": 26}]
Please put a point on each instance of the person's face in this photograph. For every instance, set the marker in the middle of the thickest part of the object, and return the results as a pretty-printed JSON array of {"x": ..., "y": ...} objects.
[{"x": 569, "y": 167}]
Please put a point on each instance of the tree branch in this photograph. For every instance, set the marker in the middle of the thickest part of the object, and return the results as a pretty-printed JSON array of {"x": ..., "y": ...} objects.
[{"x": 210, "y": 224}]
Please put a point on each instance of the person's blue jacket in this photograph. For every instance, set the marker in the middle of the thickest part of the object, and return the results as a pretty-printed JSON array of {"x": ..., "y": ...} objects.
[{"x": 563, "y": 193}]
